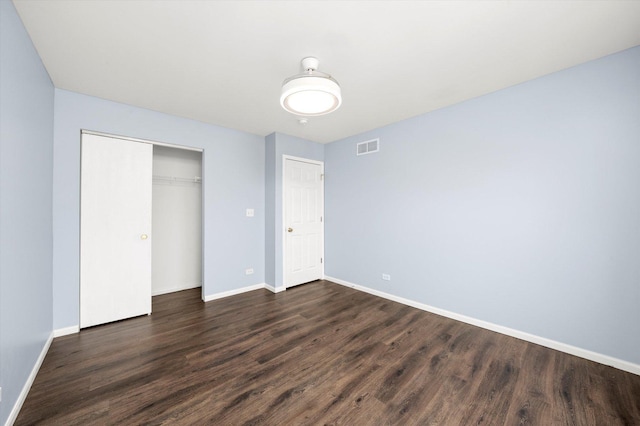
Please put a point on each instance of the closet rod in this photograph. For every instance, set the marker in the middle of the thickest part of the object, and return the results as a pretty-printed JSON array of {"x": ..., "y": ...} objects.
[{"x": 195, "y": 179}]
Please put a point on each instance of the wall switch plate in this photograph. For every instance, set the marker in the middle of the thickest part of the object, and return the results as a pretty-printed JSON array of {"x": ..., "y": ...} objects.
[
  {"x": 250, "y": 213},
  {"x": 386, "y": 277},
  {"x": 248, "y": 271}
]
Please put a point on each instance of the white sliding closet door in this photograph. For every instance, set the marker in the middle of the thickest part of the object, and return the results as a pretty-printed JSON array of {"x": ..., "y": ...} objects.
[{"x": 115, "y": 229}]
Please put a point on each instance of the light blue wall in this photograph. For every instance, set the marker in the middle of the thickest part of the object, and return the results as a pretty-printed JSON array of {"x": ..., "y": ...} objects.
[
  {"x": 521, "y": 208},
  {"x": 233, "y": 174},
  {"x": 278, "y": 145},
  {"x": 26, "y": 146}
]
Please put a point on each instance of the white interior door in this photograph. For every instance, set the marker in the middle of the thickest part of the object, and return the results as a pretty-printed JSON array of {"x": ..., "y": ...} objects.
[
  {"x": 303, "y": 226},
  {"x": 115, "y": 229}
]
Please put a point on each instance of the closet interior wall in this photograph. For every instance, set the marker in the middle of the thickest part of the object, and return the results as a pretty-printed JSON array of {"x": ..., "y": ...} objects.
[{"x": 177, "y": 220}]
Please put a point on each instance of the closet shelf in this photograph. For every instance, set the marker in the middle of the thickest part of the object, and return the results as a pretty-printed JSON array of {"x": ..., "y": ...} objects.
[{"x": 159, "y": 178}]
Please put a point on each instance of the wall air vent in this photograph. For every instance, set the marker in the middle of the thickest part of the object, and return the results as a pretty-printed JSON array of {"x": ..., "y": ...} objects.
[{"x": 368, "y": 147}]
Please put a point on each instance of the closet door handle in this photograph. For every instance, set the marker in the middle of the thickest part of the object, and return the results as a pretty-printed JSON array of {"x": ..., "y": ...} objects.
[
  {"x": 144, "y": 236},
  {"x": 290, "y": 230}
]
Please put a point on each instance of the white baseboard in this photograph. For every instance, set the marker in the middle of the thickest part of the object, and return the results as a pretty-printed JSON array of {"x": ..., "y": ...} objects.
[
  {"x": 274, "y": 289},
  {"x": 13, "y": 415},
  {"x": 223, "y": 294},
  {"x": 553, "y": 344},
  {"x": 66, "y": 331}
]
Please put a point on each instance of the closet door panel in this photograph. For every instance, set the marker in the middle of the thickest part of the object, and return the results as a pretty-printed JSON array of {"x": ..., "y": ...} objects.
[{"x": 115, "y": 229}]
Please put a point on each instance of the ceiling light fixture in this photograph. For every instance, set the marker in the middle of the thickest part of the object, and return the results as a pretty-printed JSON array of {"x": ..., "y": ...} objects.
[{"x": 310, "y": 93}]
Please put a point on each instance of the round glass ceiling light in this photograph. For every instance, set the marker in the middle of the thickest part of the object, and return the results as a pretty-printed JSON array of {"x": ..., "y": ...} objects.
[{"x": 310, "y": 93}]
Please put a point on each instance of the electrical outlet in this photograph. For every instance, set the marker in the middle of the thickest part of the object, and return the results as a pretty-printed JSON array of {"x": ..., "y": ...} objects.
[
  {"x": 248, "y": 271},
  {"x": 386, "y": 277},
  {"x": 250, "y": 213}
]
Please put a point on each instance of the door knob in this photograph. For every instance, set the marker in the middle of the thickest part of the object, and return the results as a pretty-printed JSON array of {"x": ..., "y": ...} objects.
[
  {"x": 144, "y": 236},
  {"x": 290, "y": 230}
]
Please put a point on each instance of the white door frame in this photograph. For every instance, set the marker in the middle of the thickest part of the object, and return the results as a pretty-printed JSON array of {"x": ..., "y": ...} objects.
[
  {"x": 202, "y": 180},
  {"x": 284, "y": 225}
]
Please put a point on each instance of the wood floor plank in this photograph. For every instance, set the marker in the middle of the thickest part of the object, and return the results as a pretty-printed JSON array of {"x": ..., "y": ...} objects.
[{"x": 318, "y": 354}]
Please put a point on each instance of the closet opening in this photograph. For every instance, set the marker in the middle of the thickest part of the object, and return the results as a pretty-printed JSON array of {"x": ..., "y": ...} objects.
[{"x": 176, "y": 220}]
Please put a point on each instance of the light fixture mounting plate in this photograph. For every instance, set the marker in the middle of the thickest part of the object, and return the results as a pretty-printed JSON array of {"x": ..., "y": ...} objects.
[{"x": 310, "y": 63}]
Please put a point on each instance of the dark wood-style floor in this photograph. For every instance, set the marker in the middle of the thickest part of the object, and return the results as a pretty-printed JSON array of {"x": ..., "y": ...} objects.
[{"x": 316, "y": 354}]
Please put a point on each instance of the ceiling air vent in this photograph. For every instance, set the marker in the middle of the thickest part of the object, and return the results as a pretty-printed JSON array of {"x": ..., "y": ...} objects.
[{"x": 367, "y": 147}]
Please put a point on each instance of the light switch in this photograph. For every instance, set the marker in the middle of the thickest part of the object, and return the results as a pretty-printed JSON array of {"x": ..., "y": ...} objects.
[{"x": 249, "y": 212}]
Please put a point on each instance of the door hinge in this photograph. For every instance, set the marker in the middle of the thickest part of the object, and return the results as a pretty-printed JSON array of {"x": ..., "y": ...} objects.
[
  {"x": 320, "y": 218},
  {"x": 321, "y": 176},
  {"x": 320, "y": 260}
]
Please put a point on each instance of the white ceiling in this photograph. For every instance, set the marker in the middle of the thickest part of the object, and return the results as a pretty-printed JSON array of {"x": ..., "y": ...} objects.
[{"x": 223, "y": 62}]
